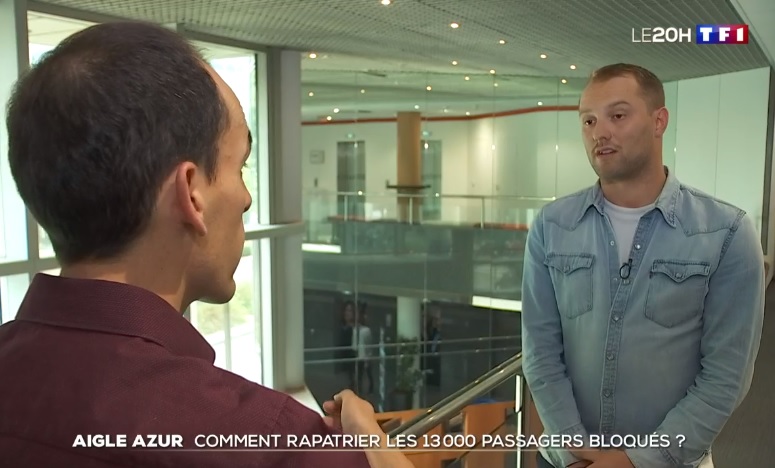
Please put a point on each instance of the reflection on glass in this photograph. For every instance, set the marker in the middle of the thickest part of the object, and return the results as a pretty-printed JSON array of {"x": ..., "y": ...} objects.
[{"x": 233, "y": 329}]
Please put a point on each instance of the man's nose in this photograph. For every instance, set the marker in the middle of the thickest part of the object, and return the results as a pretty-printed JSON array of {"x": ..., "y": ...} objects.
[{"x": 601, "y": 133}]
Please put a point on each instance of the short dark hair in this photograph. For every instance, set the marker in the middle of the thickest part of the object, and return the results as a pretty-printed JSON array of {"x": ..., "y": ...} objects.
[
  {"x": 651, "y": 87},
  {"x": 99, "y": 122}
]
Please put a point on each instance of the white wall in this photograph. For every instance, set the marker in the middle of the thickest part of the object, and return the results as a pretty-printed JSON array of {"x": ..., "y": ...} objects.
[
  {"x": 722, "y": 131},
  {"x": 715, "y": 142}
]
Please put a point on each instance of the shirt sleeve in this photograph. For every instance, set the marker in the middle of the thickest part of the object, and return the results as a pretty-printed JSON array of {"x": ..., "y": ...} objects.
[
  {"x": 732, "y": 328},
  {"x": 542, "y": 348},
  {"x": 299, "y": 420}
]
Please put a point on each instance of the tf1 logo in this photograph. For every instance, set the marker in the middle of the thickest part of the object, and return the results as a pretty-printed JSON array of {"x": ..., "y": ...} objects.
[
  {"x": 722, "y": 34},
  {"x": 704, "y": 34}
]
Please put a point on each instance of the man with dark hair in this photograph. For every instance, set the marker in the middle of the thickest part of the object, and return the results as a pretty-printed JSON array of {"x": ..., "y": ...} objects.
[
  {"x": 128, "y": 148},
  {"x": 643, "y": 298}
]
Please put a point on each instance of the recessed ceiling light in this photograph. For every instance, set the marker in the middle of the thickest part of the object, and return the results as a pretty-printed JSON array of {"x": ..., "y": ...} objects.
[
  {"x": 540, "y": 103},
  {"x": 454, "y": 25},
  {"x": 492, "y": 72},
  {"x": 564, "y": 81},
  {"x": 502, "y": 41},
  {"x": 543, "y": 56},
  {"x": 428, "y": 87},
  {"x": 573, "y": 67},
  {"x": 468, "y": 113},
  {"x": 495, "y": 84},
  {"x": 454, "y": 62},
  {"x": 336, "y": 110},
  {"x": 466, "y": 77},
  {"x": 445, "y": 111},
  {"x": 416, "y": 106},
  {"x": 310, "y": 94},
  {"x": 313, "y": 55},
  {"x": 363, "y": 91},
  {"x": 385, "y": 2},
  {"x": 329, "y": 118}
]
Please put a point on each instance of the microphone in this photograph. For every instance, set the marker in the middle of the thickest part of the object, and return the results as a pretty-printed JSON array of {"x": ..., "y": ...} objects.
[{"x": 624, "y": 271}]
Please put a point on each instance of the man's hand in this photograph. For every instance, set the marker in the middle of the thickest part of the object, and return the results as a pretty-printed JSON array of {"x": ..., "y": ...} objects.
[
  {"x": 351, "y": 414},
  {"x": 605, "y": 458}
]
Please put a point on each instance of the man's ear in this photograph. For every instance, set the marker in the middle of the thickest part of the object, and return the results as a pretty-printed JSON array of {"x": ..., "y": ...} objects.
[
  {"x": 661, "y": 117},
  {"x": 189, "y": 185}
]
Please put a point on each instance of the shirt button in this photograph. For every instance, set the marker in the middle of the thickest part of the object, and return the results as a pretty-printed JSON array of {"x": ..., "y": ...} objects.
[
  {"x": 613, "y": 243},
  {"x": 637, "y": 246},
  {"x": 626, "y": 281},
  {"x": 607, "y": 393},
  {"x": 678, "y": 275},
  {"x": 616, "y": 318},
  {"x": 615, "y": 279},
  {"x": 567, "y": 269},
  {"x": 610, "y": 356}
]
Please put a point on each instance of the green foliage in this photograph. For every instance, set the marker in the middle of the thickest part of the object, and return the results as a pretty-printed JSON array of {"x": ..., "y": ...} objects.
[
  {"x": 409, "y": 376},
  {"x": 210, "y": 317}
]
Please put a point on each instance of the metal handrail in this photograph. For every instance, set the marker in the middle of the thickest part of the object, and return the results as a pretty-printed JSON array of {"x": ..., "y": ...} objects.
[
  {"x": 398, "y": 356},
  {"x": 449, "y": 407},
  {"x": 421, "y": 343},
  {"x": 428, "y": 195}
]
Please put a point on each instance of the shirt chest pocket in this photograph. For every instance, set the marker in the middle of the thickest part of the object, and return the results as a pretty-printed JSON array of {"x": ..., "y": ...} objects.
[
  {"x": 572, "y": 278},
  {"x": 676, "y": 291}
]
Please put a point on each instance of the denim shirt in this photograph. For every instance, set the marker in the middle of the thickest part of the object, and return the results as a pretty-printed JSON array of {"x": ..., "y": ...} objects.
[{"x": 668, "y": 350}]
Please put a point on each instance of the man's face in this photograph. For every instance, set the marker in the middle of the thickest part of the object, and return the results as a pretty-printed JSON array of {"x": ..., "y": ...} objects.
[
  {"x": 227, "y": 199},
  {"x": 619, "y": 129}
]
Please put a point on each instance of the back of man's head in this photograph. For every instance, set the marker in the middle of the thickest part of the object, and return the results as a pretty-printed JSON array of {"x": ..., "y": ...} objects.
[{"x": 96, "y": 126}]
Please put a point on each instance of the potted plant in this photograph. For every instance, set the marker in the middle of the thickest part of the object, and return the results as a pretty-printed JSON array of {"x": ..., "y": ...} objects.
[{"x": 408, "y": 375}]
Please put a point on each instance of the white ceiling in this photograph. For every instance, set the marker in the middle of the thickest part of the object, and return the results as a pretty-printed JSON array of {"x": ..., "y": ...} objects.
[{"x": 394, "y": 52}]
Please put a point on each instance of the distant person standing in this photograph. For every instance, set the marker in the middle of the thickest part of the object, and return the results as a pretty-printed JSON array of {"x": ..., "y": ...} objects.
[
  {"x": 431, "y": 346},
  {"x": 344, "y": 342},
  {"x": 362, "y": 343},
  {"x": 642, "y": 298}
]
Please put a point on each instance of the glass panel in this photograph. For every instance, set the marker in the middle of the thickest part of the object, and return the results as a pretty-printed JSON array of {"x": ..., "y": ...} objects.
[
  {"x": 12, "y": 291},
  {"x": 437, "y": 277},
  {"x": 234, "y": 329}
]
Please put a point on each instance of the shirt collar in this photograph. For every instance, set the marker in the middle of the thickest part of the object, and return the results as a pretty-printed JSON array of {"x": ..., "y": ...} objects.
[
  {"x": 111, "y": 307},
  {"x": 666, "y": 202}
]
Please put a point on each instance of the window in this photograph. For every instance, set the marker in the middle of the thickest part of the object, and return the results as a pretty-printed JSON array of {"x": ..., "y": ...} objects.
[
  {"x": 239, "y": 72},
  {"x": 12, "y": 290},
  {"x": 234, "y": 329}
]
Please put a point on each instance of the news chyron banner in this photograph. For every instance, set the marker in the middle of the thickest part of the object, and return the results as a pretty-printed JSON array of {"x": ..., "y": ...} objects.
[{"x": 347, "y": 442}]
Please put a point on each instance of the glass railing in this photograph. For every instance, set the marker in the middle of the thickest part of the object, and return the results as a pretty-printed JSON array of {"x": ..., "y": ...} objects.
[
  {"x": 411, "y": 374},
  {"x": 419, "y": 268},
  {"x": 473, "y": 252}
]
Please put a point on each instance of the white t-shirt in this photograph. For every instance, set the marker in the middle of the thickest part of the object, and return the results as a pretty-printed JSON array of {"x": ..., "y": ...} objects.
[
  {"x": 625, "y": 223},
  {"x": 361, "y": 339}
]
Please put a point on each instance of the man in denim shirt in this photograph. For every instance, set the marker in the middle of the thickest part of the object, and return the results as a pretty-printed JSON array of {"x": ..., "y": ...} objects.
[{"x": 643, "y": 299}]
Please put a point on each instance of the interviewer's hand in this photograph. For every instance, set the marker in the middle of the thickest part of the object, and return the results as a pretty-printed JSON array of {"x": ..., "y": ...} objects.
[
  {"x": 351, "y": 414},
  {"x": 605, "y": 458},
  {"x": 580, "y": 464}
]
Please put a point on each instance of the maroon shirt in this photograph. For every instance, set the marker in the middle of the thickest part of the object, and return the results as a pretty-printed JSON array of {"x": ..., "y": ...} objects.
[{"x": 97, "y": 357}]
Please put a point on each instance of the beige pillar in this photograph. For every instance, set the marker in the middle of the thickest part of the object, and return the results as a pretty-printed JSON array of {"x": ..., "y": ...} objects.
[{"x": 409, "y": 165}]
